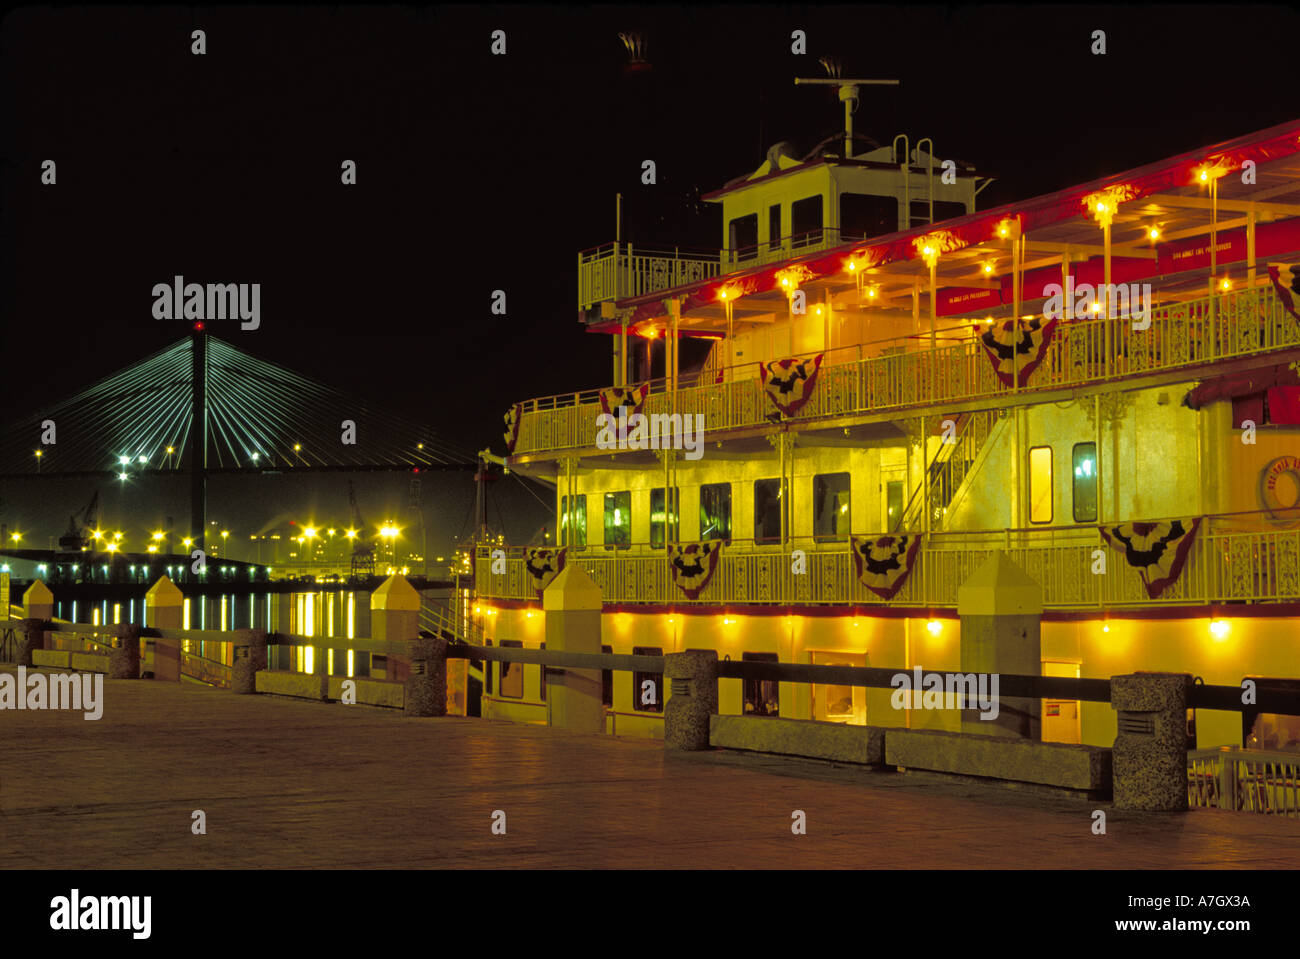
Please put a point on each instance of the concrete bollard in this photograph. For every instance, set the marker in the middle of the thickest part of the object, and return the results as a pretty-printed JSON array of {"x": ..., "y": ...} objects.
[
  {"x": 693, "y": 698},
  {"x": 124, "y": 657},
  {"x": 1149, "y": 757},
  {"x": 1001, "y": 610},
  {"x": 249, "y": 648},
  {"x": 33, "y": 638},
  {"x": 571, "y": 604},
  {"x": 395, "y": 618},
  {"x": 38, "y": 604},
  {"x": 426, "y": 683},
  {"x": 164, "y": 609}
]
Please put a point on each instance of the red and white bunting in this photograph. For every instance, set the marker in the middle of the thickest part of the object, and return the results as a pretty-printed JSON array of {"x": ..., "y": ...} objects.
[
  {"x": 512, "y": 418},
  {"x": 1156, "y": 550},
  {"x": 630, "y": 398},
  {"x": 693, "y": 566},
  {"x": 1017, "y": 347},
  {"x": 1286, "y": 280},
  {"x": 543, "y": 564},
  {"x": 789, "y": 383},
  {"x": 883, "y": 563}
]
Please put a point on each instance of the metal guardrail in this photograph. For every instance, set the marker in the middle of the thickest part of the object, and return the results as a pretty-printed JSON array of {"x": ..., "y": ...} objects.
[{"x": 1244, "y": 780}]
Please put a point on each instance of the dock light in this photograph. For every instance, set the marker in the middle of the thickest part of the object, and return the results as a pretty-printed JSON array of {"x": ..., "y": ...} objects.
[
  {"x": 255, "y": 456},
  {"x": 39, "y": 454},
  {"x": 117, "y": 535},
  {"x": 170, "y": 451},
  {"x": 124, "y": 460},
  {"x": 112, "y": 547},
  {"x": 309, "y": 532},
  {"x": 351, "y": 534},
  {"x": 158, "y": 534},
  {"x": 144, "y": 459},
  {"x": 297, "y": 447},
  {"x": 121, "y": 476},
  {"x": 225, "y": 533},
  {"x": 15, "y": 536},
  {"x": 1219, "y": 628},
  {"x": 188, "y": 541},
  {"x": 152, "y": 548},
  {"x": 935, "y": 627},
  {"x": 419, "y": 446}
]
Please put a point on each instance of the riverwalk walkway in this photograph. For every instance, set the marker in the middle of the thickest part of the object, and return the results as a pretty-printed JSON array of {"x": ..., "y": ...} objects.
[{"x": 292, "y": 784}]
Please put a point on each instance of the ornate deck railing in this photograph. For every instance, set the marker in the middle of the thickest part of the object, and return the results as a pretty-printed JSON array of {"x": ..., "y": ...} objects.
[
  {"x": 1182, "y": 336},
  {"x": 617, "y": 271},
  {"x": 1223, "y": 566},
  {"x": 1245, "y": 780}
]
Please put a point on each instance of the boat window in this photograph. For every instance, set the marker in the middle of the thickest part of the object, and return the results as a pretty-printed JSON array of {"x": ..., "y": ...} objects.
[
  {"x": 1040, "y": 484},
  {"x": 618, "y": 520},
  {"x": 767, "y": 511},
  {"x": 943, "y": 210},
  {"x": 715, "y": 511},
  {"x": 647, "y": 688},
  {"x": 1084, "y": 462},
  {"x": 894, "y": 504},
  {"x": 774, "y": 226},
  {"x": 806, "y": 221},
  {"x": 831, "y": 506},
  {"x": 762, "y": 696},
  {"x": 863, "y": 215},
  {"x": 577, "y": 517},
  {"x": 742, "y": 237},
  {"x": 663, "y": 530}
]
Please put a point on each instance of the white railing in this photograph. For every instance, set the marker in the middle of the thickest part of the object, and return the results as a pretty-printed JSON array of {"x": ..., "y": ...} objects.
[
  {"x": 1244, "y": 780},
  {"x": 1223, "y": 566},
  {"x": 616, "y": 272},
  {"x": 1181, "y": 336}
]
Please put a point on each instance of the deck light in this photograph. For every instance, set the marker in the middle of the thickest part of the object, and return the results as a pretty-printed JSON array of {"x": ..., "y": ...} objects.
[
  {"x": 1226, "y": 284},
  {"x": 1154, "y": 233},
  {"x": 852, "y": 266},
  {"x": 1105, "y": 627},
  {"x": 988, "y": 268},
  {"x": 935, "y": 627},
  {"x": 871, "y": 293},
  {"x": 1219, "y": 628}
]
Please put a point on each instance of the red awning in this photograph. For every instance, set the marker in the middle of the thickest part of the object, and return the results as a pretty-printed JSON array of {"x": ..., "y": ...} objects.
[{"x": 1242, "y": 384}]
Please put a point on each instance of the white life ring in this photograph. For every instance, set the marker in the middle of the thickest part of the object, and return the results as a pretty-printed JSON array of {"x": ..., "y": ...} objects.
[{"x": 1268, "y": 479}]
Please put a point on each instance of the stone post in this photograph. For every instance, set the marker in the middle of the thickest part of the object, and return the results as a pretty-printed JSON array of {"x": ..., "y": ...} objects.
[
  {"x": 124, "y": 657},
  {"x": 426, "y": 684},
  {"x": 38, "y": 609},
  {"x": 1149, "y": 758},
  {"x": 1001, "y": 610},
  {"x": 692, "y": 698},
  {"x": 571, "y": 605},
  {"x": 395, "y": 618},
  {"x": 164, "y": 609},
  {"x": 249, "y": 654}
]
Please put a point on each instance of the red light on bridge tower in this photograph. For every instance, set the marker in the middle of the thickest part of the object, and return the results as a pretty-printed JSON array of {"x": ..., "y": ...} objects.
[{"x": 199, "y": 326}]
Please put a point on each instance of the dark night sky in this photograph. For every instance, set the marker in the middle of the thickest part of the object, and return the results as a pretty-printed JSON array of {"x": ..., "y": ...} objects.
[{"x": 478, "y": 172}]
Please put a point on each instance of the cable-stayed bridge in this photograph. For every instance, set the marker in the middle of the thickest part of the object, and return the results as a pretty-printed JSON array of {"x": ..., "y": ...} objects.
[{"x": 202, "y": 407}]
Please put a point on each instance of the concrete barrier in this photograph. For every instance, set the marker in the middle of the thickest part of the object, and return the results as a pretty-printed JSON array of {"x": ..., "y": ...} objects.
[
  {"x": 54, "y": 659},
  {"x": 278, "y": 682},
  {"x": 371, "y": 692},
  {"x": 800, "y": 737},
  {"x": 1081, "y": 768}
]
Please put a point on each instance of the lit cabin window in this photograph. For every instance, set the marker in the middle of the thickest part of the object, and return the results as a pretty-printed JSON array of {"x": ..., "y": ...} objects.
[
  {"x": 647, "y": 688},
  {"x": 806, "y": 221},
  {"x": 512, "y": 674},
  {"x": 831, "y": 506},
  {"x": 894, "y": 504},
  {"x": 767, "y": 511},
  {"x": 663, "y": 529},
  {"x": 1084, "y": 461},
  {"x": 715, "y": 511},
  {"x": 742, "y": 237},
  {"x": 1040, "y": 484},
  {"x": 576, "y": 519},
  {"x": 762, "y": 696},
  {"x": 618, "y": 520}
]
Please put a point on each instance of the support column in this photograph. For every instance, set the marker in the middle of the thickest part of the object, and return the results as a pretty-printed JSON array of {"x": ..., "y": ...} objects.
[
  {"x": 692, "y": 698},
  {"x": 1001, "y": 610},
  {"x": 426, "y": 686},
  {"x": 199, "y": 428},
  {"x": 395, "y": 618},
  {"x": 1149, "y": 758},
  {"x": 249, "y": 660},
  {"x": 124, "y": 657},
  {"x": 572, "y": 605},
  {"x": 164, "y": 609}
]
